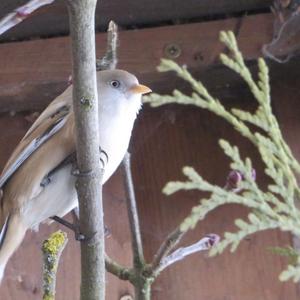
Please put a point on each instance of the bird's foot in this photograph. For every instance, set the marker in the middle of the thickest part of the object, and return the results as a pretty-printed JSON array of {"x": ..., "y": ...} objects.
[
  {"x": 73, "y": 226},
  {"x": 103, "y": 158},
  {"x": 76, "y": 228},
  {"x": 103, "y": 161},
  {"x": 107, "y": 232}
]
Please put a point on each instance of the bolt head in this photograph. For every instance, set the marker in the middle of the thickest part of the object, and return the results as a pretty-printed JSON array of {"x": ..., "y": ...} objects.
[{"x": 172, "y": 50}]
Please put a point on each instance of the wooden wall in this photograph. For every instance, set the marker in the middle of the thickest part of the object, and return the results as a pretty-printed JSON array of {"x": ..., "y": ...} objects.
[
  {"x": 34, "y": 72},
  {"x": 52, "y": 20},
  {"x": 164, "y": 140}
]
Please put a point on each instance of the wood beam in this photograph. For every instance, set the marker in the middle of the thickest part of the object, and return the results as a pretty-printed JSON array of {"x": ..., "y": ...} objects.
[
  {"x": 52, "y": 20},
  {"x": 33, "y": 72}
]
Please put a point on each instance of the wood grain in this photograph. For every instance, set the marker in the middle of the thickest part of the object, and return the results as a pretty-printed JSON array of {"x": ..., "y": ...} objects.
[
  {"x": 32, "y": 73},
  {"x": 52, "y": 20}
]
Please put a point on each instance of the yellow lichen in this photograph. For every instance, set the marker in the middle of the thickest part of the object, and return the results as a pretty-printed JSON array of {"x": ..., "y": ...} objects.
[
  {"x": 48, "y": 297},
  {"x": 54, "y": 243},
  {"x": 52, "y": 249}
]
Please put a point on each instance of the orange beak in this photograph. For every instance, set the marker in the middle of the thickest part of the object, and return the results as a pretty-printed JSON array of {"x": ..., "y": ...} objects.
[{"x": 140, "y": 89}]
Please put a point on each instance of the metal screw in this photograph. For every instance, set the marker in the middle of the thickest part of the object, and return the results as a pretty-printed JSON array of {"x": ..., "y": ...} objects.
[{"x": 172, "y": 50}]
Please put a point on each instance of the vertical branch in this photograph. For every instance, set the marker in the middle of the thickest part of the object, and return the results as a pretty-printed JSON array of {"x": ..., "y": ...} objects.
[
  {"x": 137, "y": 247},
  {"x": 52, "y": 249},
  {"x": 89, "y": 189},
  {"x": 142, "y": 281},
  {"x": 109, "y": 61}
]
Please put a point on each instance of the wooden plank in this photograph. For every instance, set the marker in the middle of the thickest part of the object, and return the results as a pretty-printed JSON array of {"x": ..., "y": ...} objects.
[
  {"x": 34, "y": 72},
  {"x": 52, "y": 20}
]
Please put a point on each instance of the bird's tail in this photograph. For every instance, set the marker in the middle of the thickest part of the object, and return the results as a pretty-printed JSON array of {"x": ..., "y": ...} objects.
[{"x": 11, "y": 236}]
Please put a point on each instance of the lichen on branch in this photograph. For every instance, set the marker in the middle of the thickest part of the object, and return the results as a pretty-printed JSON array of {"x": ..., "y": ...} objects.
[
  {"x": 274, "y": 207},
  {"x": 52, "y": 249}
]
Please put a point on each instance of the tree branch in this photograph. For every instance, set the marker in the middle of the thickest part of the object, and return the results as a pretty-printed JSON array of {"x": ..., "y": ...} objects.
[
  {"x": 89, "y": 187},
  {"x": 52, "y": 249},
  {"x": 116, "y": 269},
  {"x": 204, "y": 244},
  {"x": 110, "y": 60},
  {"x": 166, "y": 247},
  {"x": 21, "y": 13},
  {"x": 137, "y": 247}
]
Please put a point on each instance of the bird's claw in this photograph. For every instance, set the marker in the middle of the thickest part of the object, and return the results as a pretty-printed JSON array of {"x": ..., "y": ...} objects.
[
  {"x": 76, "y": 228},
  {"x": 103, "y": 158},
  {"x": 107, "y": 231},
  {"x": 72, "y": 226},
  {"x": 79, "y": 236}
]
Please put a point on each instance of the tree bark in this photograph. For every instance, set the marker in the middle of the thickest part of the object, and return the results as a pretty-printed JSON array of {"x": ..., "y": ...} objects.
[{"x": 89, "y": 188}]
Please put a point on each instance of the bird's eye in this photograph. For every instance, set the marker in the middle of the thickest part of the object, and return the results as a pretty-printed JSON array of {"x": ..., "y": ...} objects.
[{"x": 115, "y": 83}]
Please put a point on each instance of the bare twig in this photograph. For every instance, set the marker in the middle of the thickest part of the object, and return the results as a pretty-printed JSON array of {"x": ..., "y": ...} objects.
[
  {"x": 109, "y": 61},
  {"x": 204, "y": 244},
  {"x": 137, "y": 247},
  {"x": 116, "y": 269},
  {"x": 166, "y": 247},
  {"x": 52, "y": 249},
  {"x": 89, "y": 188},
  {"x": 142, "y": 283},
  {"x": 21, "y": 13}
]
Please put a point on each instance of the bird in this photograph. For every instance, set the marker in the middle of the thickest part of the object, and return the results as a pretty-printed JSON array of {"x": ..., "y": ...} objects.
[{"x": 37, "y": 182}]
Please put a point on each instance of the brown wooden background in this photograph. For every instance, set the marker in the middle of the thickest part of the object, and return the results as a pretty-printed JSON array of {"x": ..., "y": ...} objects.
[
  {"x": 164, "y": 140},
  {"x": 53, "y": 21}
]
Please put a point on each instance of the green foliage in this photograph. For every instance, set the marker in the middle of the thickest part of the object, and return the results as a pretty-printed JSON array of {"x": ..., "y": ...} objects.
[
  {"x": 271, "y": 208},
  {"x": 288, "y": 252}
]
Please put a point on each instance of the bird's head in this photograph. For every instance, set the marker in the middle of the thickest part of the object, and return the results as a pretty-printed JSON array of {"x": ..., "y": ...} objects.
[{"x": 120, "y": 89}]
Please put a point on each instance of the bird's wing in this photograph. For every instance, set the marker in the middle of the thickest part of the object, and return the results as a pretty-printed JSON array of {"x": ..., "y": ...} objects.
[
  {"x": 52, "y": 120},
  {"x": 60, "y": 105},
  {"x": 31, "y": 147}
]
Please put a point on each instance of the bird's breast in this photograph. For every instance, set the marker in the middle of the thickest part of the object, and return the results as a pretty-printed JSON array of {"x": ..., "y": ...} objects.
[{"x": 114, "y": 138}]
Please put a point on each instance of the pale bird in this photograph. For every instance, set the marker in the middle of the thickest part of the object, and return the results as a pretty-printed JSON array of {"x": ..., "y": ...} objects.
[{"x": 37, "y": 181}]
